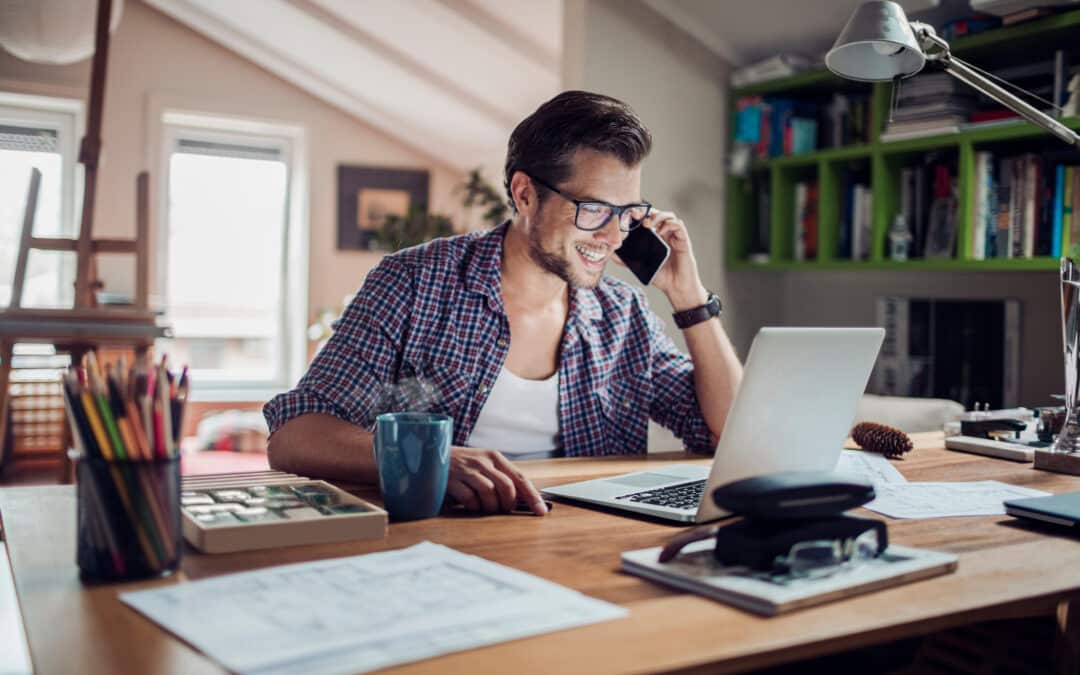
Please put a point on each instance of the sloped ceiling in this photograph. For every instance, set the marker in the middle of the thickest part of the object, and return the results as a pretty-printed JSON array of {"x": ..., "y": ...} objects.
[
  {"x": 452, "y": 77},
  {"x": 744, "y": 31},
  {"x": 449, "y": 77}
]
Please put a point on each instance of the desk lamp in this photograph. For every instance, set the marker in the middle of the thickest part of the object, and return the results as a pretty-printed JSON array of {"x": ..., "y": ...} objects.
[{"x": 879, "y": 44}]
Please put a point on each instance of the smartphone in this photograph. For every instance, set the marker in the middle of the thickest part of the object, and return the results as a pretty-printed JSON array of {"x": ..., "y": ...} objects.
[{"x": 644, "y": 252}]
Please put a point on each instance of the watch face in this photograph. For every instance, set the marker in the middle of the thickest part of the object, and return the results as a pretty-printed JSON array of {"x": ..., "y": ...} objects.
[{"x": 714, "y": 304}]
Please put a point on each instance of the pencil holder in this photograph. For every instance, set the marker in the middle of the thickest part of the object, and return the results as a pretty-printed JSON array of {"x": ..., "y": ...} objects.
[{"x": 128, "y": 518}]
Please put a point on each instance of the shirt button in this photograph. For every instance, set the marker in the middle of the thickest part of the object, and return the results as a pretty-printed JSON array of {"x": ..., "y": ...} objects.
[
  {"x": 483, "y": 389},
  {"x": 626, "y": 404},
  {"x": 501, "y": 342}
]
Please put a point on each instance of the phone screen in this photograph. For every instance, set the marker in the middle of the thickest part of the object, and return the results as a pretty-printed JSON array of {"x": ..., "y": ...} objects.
[{"x": 644, "y": 252}]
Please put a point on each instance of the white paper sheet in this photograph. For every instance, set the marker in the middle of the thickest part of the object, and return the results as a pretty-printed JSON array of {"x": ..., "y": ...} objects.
[
  {"x": 937, "y": 500},
  {"x": 872, "y": 467},
  {"x": 363, "y": 612}
]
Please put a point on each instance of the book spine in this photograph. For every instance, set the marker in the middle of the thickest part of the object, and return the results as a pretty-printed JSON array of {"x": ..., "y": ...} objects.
[
  {"x": 1059, "y": 204},
  {"x": 989, "y": 228},
  {"x": 1031, "y": 205},
  {"x": 797, "y": 222},
  {"x": 978, "y": 211},
  {"x": 1003, "y": 243},
  {"x": 866, "y": 221},
  {"x": 810, "y": 221},
  {"x": 1016, "y": 216}
]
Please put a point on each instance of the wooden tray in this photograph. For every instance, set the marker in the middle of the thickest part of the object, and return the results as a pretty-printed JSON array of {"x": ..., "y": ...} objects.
[{"x": 223, "y": 513}]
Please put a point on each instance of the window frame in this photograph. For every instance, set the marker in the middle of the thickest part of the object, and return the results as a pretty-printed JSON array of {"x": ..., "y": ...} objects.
[
  {"x": 67, "y": 117},
  {"x": 290, "y": 140}
]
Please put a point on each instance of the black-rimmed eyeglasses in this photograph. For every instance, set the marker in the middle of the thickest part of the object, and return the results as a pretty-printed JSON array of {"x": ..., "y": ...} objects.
[{"x": 591, "y": 216}]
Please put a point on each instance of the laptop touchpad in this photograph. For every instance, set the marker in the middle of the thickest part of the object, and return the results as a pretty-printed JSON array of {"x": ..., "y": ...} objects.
[{"x": 644, "y": 480}]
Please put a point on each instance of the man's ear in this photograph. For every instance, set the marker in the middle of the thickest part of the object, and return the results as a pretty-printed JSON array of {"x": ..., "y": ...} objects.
[{"x": 524, "y": 193}]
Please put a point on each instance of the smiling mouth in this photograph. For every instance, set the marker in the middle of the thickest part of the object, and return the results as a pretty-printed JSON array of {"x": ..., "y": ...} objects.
[{"x": 592, "y": 255}]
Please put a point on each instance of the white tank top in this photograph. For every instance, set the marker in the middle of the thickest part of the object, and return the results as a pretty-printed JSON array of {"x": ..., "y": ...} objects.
[{"x": 520, "y": 417}]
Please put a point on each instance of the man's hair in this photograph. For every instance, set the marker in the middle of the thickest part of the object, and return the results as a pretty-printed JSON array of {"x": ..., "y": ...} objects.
[{"x": 544, "y": 143}]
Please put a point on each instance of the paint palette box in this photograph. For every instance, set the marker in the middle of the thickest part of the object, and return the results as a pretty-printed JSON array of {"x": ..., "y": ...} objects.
[{"x": 223, "y": 513}]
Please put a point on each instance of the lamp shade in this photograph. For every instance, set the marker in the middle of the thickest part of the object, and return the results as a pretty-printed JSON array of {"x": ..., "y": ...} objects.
[
  {"x": 877, "y": 44},
  {"x": 52, "y": 31}
]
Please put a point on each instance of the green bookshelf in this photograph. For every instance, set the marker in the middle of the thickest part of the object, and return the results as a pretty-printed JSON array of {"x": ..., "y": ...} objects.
[{"x": 884, "y": 160}]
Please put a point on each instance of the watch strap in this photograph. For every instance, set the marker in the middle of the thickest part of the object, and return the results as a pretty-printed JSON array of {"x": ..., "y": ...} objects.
[{"x": 695, "y": 315}]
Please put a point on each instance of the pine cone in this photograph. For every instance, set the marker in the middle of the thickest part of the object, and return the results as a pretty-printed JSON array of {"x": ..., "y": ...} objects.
[{"x": 881, "y": 438}]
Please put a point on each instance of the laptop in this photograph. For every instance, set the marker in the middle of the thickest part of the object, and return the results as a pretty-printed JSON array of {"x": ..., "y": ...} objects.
[{"x": 793, "y": 411}]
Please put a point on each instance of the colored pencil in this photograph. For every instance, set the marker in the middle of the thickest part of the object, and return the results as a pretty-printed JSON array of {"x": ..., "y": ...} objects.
[{"x": 129, "y": 418}]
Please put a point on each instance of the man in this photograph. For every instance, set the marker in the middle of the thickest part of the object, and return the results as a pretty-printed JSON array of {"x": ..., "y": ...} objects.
[{"x": 516, "y": 333}]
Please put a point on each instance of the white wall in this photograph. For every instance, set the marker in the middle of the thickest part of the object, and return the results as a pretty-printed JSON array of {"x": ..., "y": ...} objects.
[
  {"x": 624, "y": 49},
  {"x": 677, "y": 88}
]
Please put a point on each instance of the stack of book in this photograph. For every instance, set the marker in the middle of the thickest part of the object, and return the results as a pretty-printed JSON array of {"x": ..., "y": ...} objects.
[
  {"x": 929, "y": 104},
  {"x": 1023, "y": 205}
]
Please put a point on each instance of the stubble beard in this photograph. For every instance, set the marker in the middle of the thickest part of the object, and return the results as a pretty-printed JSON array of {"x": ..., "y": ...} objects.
[{"x": 557, "y": 264}]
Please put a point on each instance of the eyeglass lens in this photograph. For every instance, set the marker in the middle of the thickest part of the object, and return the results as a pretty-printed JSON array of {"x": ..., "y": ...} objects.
[
  {"x": 814, "y": 557},
  {"x": 594, "y": 215}
]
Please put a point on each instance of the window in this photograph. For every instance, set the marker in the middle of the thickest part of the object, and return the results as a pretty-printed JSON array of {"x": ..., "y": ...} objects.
[
  {"x": 41, "y": 132},
  {"x": 229, "y": 281}
]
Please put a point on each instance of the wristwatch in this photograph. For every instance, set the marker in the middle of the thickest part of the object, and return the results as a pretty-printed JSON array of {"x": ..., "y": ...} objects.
[{"x": 695, "y": 315}]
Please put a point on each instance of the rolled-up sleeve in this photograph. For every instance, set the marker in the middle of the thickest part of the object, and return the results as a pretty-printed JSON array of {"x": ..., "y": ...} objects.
[
  {"x": 347, "y": 377},
  {"x": 674, "y": 403}
]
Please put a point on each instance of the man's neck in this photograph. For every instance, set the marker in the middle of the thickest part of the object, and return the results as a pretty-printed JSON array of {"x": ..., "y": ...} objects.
[{"x": 524, "y": 283}]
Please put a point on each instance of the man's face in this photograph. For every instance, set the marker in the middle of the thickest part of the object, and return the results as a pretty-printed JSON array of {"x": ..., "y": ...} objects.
[{"x": 557, "y": 245}]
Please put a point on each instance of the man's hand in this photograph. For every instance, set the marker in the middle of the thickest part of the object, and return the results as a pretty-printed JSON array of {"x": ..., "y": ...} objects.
[
  {"x": 678, "y": 279},
  {"x": 484, "y": 480}
]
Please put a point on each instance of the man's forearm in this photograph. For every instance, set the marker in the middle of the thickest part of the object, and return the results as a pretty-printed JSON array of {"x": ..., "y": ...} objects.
[
  {"x": 717, "y": 371},
  {"x": 323, "y": 446}
]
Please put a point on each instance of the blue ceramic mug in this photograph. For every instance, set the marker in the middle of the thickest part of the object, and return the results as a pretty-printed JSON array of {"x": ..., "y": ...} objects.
[{"x": 412, "y": 452}]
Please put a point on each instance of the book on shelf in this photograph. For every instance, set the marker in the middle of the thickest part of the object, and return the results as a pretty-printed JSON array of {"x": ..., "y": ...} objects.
[
  {"x": 779, "y": 126},
  {"x": 805, "y": 221},
  {"x": 861, "y": 213},
  {"x": 1024, "y": 204},
  {"x": 853, "y": 236},
  {"x": 928, "y": 204},
  {"x": 758, "y": 186},
  {"x": 941, "y": 219},
  {"x": 771, "y": 593},
  {"x": 964, "y": 350}
]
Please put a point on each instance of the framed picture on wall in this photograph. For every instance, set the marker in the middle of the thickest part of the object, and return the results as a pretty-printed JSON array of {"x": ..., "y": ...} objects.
[{"x": 367, "y": 195}]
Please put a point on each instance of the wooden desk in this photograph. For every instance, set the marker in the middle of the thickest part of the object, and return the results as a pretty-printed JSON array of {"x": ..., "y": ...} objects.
[{"x": 1004, "y": 572}]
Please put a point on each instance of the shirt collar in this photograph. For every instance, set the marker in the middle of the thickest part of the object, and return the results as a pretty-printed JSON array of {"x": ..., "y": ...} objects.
[
  {"x": 482, "y": 271},
  {"x": 483, "y": 276}
]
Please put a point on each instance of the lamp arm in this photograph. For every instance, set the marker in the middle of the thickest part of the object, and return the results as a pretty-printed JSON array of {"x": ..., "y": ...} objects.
[{"x": 968, "y": 75}]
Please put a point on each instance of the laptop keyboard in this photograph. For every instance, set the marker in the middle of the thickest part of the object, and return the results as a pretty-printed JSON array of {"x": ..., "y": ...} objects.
[{"x": 681, "y": 496}]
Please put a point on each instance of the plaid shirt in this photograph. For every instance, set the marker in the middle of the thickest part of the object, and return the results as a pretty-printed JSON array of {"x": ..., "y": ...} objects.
[{"x": 429, "y": 330}]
